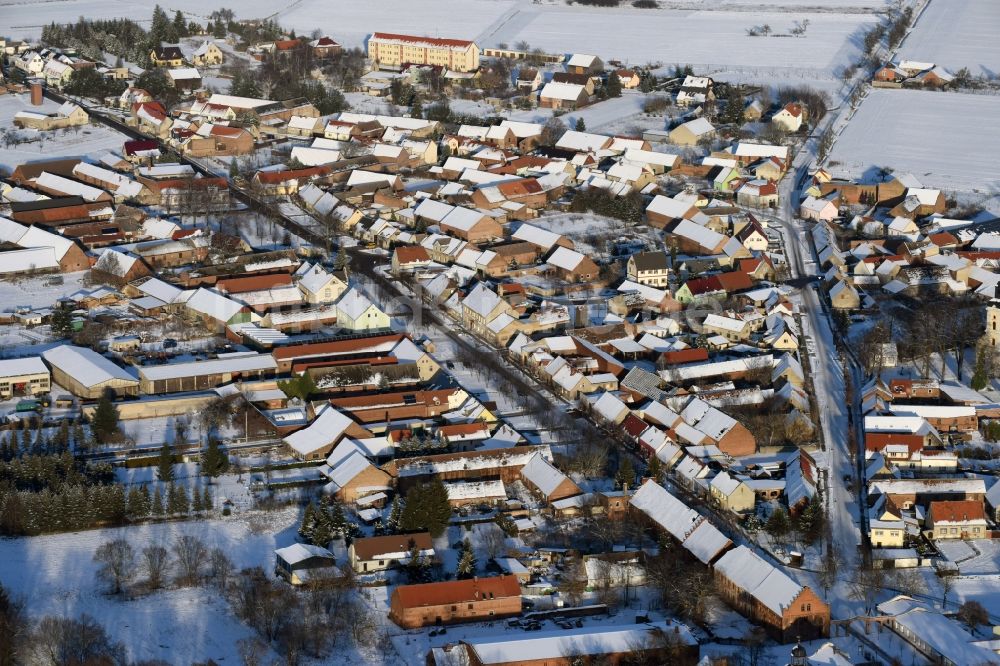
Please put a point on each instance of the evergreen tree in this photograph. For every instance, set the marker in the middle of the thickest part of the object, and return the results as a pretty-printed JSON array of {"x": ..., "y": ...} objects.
[
  {"x": 62, "y": 322},
  {"x": 395, "y": 515},
  {"x": 323, "y": 531},
  {"x": 135, "y": 503},
  {"x": 105, "y": 424},
  {"x": 180, "y": 27},
  {"x": 626, "y": 472},
  {"x": 196, "y": 505},
  {"x": 159, "y": 29},
  {"x": 308, "y": 525},
  {"x": 158, "y": 502},
  {"x": 206, "y": 499},
  {"x": 614, "y": 85},
  {"x": 234, "y": 169},
  {"x": 655, "y": 468},
  {"x": 777, "y": 524},
  {"x": 417, "y": 109},
  {"x": 417, "y": 567},
  {"x": 336, "y": 520},
  {"x": 581, "y": 126},
  {"x": 214, "y": 462},
  {"x": 426, "y": 508},
  {"x": 466, "y": 562},
  {"x": 178, "y": 502},
  {"x": 79, "y": 438},
  {"x": 165, "y": 464}
]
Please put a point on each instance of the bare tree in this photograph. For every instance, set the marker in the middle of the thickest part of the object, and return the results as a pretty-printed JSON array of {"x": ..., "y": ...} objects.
[
  {"x": 909, "y": 582},
  {"x": 493, "y": 541},
  {"x": 117, "y": 560},
  {"x": 190, "y": 554},
  {"x": 60, "y": 641},
  {"x": 973, "y": 614},
  {"x": 253, "y": 651},
  {"x": 868, "y": 583},
  {"x": 220, "y": 568},
  {"x": 155, "y": 561}
]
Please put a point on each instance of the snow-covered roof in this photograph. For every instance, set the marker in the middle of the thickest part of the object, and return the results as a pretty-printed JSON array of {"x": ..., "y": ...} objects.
[
  {"x": 30, "y": 365},
  {"x": 85, "y": 365},
  {"x": 232, "y": 363},
  {"x": 698, "y": 126},
  {"x": 51, "y": 181},
  {"x": 562, "y": 91},
  {"x": 353, "y": 303},
  {"x": 214, "y": 305},
  {"x": 565, "y": 258},
  {"x": 543, "y": 238},
  {"x": 299, "y": 552},
  {"x": 754, "y": 575},
  {"x": 582, "y": 141},
  {"x": 543, "y": 475},
  {"x": 328, "y": 428},
  {"x": 555, "y": 645}
]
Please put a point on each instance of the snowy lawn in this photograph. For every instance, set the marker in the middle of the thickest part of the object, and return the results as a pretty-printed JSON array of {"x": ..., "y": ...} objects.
[
  {"x": 56, "y": 575},
  {"x": 891, "y": 130},
  {"x": 36, "y": 145},
  {"x": 957, "y": 34}
]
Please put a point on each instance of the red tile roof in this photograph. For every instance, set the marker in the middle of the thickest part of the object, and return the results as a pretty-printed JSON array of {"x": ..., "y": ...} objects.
[
  {"x": 139, "y": 145},
  {"x": 408, "y": 254},
  {"x": 956, "y": 511},
  {"x": 692, "y": 355},
  {"x": 457, "y": 591},
  {"x": 413, "y": 39},
  {"x": 370, "y": 547},
  {"x": 272, "y": 177}
]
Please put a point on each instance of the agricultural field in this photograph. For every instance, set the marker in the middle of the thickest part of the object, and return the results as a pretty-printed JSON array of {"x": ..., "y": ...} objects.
[
  {"x": 957, "y": 34},
  {"x": 944, "y": 139}
]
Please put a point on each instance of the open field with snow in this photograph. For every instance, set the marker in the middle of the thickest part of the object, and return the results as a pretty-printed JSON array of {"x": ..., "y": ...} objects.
[
  {"x": 947, "y": 140},
  {"x": 957, "y": 34},
  {"x": 56, "y": 576},
  {"x": 348, "y": 22},
  {"x": 36, "y": 145},
  {"x": 704, "y": 39}
]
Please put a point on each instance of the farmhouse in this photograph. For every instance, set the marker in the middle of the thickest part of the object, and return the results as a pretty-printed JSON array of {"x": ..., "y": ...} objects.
[
  {"x": 557, "y": 95},
  {"x": 380, "y": 553},
  {"x": 765, "y": 594},
  {"x": 68, "y": 115},
  {"x": 648, "y": 268},
  {"x": 691, "y": 132},
  {"x": 449, "y": 602}
]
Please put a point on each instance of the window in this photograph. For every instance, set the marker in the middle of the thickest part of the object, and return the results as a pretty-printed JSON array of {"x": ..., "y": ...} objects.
[
  {"x": 470, "y": 606},
  {"x": 454, "y": 608}
]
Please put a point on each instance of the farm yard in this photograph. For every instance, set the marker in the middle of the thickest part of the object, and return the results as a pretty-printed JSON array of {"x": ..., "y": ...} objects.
[
  {"x": 942, "y": 138},
  {"x": 957, "y": 34}
]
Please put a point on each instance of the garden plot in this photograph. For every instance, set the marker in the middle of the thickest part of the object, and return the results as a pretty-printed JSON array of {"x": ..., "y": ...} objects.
[
  {"x": 956, "y": 34},
  {"x": 946, "y": 140}
]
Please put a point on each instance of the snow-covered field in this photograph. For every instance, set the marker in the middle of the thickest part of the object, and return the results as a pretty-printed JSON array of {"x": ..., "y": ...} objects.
[
  {"x": 348, "y": 22},
  {"x": 957, "y": 34},
  {"x": 72, "y": 142},
  {"x": 704, "y": 39},
  {"x": 947, "y": 140},
  {"x": 56, "y": 575}
]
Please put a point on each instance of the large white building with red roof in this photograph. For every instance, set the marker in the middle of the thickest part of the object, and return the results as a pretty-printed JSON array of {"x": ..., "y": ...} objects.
[{"x": 393, "y": 51}]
